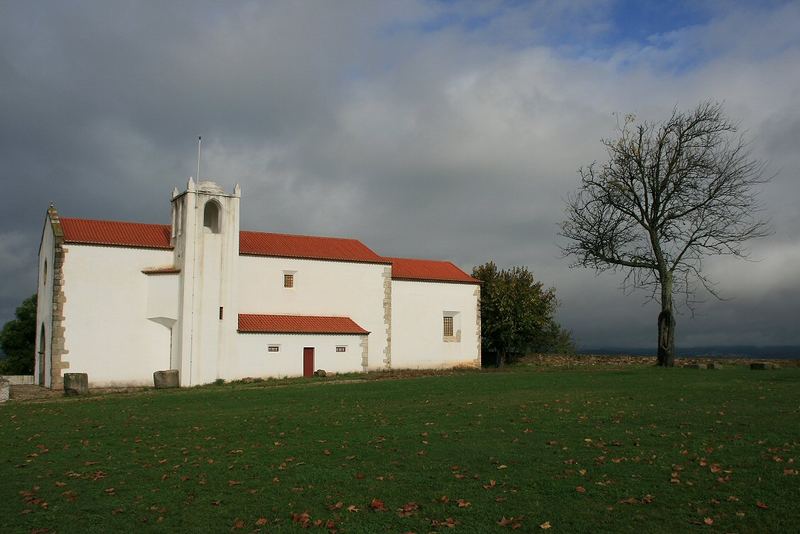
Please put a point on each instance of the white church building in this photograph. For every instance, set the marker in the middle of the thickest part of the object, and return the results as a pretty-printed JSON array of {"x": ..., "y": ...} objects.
[{"x": 121, "y": 300}]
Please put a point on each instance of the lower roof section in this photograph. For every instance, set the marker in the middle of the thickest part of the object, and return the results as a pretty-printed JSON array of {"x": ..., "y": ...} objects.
[
  {"x": 429, "y": 271},
  {"x": 298, "y": 324}
]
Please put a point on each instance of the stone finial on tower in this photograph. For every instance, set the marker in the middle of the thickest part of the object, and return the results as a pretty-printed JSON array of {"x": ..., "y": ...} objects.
[
  {"x": 175, "y": 192},
  {"x": 190, "y": 184},
  {"x": 237, "y": 191},
  {"x": 52, "y": 212}
]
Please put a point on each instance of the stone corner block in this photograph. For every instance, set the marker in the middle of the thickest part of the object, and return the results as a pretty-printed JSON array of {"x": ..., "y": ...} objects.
[
  {"x": 76, "y": 384},
  {"x": 166, "y": 379}
]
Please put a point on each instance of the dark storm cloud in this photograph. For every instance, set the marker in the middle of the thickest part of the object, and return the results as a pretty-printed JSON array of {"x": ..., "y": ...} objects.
[{"x": 425, "y": 129}]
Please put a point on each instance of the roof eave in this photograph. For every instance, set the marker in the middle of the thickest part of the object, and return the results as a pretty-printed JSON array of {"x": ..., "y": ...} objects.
[
  {"x": 365, "y": 332},
  {"x": 116, "y": 245},
  {"x": 286, "y": 256},
  {"x": 436, "y": 280}
]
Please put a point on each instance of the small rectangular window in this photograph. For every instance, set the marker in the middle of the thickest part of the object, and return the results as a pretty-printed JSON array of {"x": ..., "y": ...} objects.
[
  {"x": 220, "y": 313},
  {"x": 341, "y": 348},
  {"x": 288, "y": 280},
  {"x": 448, "y": 326},
  {"x": 274, "y": 348}
]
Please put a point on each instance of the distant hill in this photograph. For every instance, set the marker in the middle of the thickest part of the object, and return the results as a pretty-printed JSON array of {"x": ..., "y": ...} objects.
[{"x": 777, "y": 352}]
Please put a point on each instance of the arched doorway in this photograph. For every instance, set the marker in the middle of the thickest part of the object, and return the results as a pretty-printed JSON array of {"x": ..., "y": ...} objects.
[{"x": 41, "y": 354}]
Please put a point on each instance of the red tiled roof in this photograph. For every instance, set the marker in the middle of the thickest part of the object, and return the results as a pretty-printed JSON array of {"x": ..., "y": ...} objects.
[
  {"x": 429, "y": 271},
  {"x": 139, "y": 235},
  {"x": 127, "y": 234},
  {"x": 115, "y": 233},
  {"x": 301, "y": 246},
  {"x": 297, "y": 324}
]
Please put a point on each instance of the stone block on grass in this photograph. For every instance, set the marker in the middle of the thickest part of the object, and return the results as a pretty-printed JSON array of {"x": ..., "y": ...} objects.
[
  {"x": 166, "y": 379},
  {"x": 76, "y": 384},
  {"x": 696, "y": 366}
]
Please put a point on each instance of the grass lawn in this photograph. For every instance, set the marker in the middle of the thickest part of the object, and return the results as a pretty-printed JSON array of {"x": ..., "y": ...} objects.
[{"x": 573, "y": 450}]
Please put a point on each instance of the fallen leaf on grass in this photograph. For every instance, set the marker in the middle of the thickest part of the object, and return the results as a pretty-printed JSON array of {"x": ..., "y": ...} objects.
[
  {"x": 353, "y": 508},
  {"x": 97, "y": 475},
  {"x": 629, "y": 500},
  {"x": 762, "y": 505},
  {"x": 408, "y": 509},
  {"x": 238, "y": 524},
  {"x": 513, "y": 522},
  {"x": 580, "y": 489},
  {"x": 462, "y": 503},
  {"x": 377, "y": 505},
  {"x": 337, "y": 506},
  {"x": 545, "y": 525},
  {"x": 304, "y": 519},
  {"x": 261, "y": 521},
  {"x": 449, "y": 523}
]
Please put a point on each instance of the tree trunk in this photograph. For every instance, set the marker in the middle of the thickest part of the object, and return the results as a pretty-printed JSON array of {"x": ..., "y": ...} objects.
[
  {"x": 666, "y": 324},
  {"x": 666, "y": 339},
  {"x": 500, "y": 357}
]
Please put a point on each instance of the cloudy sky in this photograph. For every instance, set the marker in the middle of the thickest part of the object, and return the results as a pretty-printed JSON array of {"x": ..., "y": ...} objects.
[{"x": 437, "y": 129}]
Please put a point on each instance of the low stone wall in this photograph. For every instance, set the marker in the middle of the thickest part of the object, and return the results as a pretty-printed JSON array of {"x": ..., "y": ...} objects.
[{"x": 18, "y": 380}]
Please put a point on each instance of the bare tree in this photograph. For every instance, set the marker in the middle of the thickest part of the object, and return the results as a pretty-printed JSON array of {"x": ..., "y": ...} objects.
[{"x": 670, "y": 194}]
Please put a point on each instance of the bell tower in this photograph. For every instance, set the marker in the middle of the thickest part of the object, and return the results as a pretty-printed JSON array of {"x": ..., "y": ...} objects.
[{"x": 205, "y": 237}]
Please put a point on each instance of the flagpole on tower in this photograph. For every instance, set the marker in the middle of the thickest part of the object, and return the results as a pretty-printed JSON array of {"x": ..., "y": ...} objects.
[{"x": 199, "y": 142}]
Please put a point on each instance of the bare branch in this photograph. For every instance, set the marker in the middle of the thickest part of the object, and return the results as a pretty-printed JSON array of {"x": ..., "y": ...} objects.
[{"x": 668, "y": 195}]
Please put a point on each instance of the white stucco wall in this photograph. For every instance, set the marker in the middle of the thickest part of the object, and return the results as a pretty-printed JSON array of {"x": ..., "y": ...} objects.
[
  {"x": 107, "y": 331},
  {"x": 44, "y": 303},
  {"x": 353, "y": 290},
  {"x": 254, "y": 360},
  {"x": 417, "y": 332},
  {"x": 162, "y": 297}
]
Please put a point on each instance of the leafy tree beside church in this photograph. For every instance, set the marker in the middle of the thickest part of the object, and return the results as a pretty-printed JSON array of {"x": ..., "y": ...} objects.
[
  {"x": 18, "y": 340},
  {"x": 517, "y": 314}
]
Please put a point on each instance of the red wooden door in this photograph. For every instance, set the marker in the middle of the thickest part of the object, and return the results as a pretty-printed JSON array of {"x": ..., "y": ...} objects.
[{"x": 308, "y": 361}]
